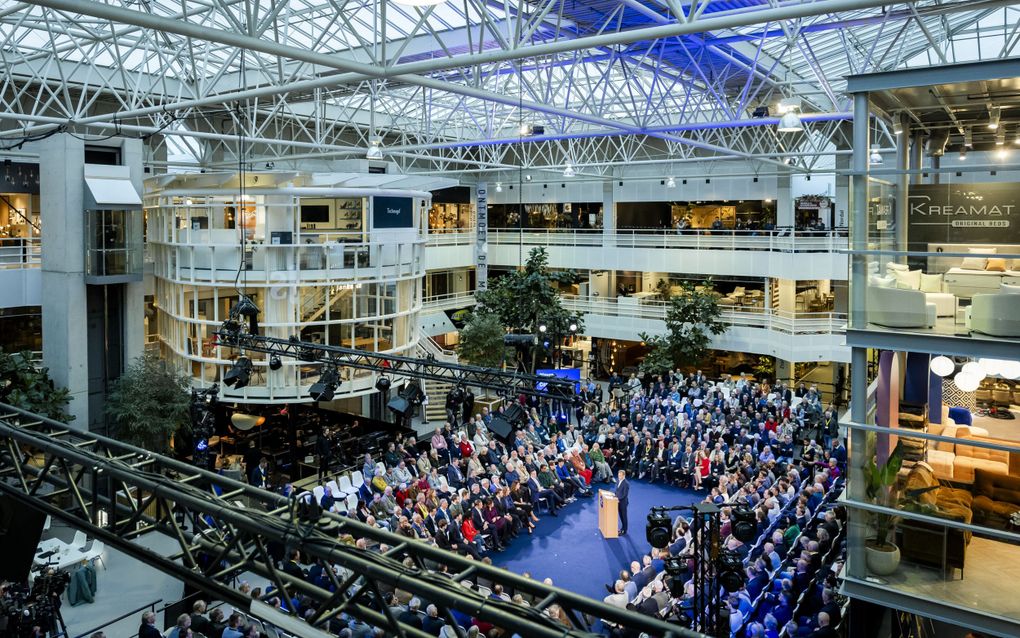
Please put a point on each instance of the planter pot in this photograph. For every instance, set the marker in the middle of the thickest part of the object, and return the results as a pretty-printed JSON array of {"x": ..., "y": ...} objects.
[{"x": 882, "y": 560}]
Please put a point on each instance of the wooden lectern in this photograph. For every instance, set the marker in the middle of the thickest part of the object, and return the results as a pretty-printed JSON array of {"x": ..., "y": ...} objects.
[{"x": 608, "y": 515}]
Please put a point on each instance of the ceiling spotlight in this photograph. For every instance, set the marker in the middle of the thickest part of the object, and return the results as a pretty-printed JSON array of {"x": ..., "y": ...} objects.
[
  {"x": 1016, "y": 136},
  {"x": 239, "y": 374},
  {"x": 326, "y": 387},
  {"x": 768, "y": 200},
  {"x": 374, "y": 149},
  {"x": 526, "y": 129},
  {"x": 790, "y": 123},
  {"x": 670, "y": 182},
  {"x": 499, "y": 187},
  {"x": 994, "y": 114},
  {"x": 568, "y": 170},
  {"x": 968, "y": 138},
  {"x": 383, "y": 384},
  {"x": 542, "y": 328},
  {"x": 789, "y": 104},
  {"x": 897, "y": 127},
  {"x": 875, "y": 157},
  {"x": 275, "y": 363},
  {"x": 527, "y": 178},
  {"x": 760, "y": 111},
  {"x": 1000, "y": 136},
  {"x": 963, "y": 153}
]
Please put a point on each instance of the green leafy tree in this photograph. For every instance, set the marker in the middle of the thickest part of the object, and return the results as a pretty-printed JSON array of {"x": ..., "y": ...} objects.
[
  {"x": 481, "y": 340},
  {"x": 149, "y": 402},
  {"x": 692, "y": 319},
  {"x": 524, "y": 300},
  {"x": 28, "y": 386}
]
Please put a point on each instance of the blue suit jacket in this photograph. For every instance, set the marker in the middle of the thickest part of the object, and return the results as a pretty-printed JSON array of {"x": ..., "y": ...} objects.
[{"x": 623, "y": 491}]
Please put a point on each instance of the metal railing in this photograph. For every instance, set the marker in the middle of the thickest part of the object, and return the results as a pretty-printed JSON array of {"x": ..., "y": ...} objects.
[
  {"x": 765, "y": 318},
  {"x": 430, "y": 347},
  {"x": 779, "y": 240},
  {"x": 449, "y": 301},
  {"x": 461, "y": 237},
  {"x": 649, "y": 308},
  {"x": 20, "y": 252}
]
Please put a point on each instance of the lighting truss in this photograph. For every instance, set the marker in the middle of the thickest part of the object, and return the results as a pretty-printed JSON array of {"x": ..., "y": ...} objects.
[
  {"x": 116, "y": 492},
  {"x": 430, "y": 369}
]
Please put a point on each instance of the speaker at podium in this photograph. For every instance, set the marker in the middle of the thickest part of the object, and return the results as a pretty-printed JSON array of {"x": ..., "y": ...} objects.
[{"x": 608, "y": 514}]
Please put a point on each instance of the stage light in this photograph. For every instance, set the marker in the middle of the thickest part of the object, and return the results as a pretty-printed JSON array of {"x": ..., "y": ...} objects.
[
  {"x": 383, "y": 384},
  {"x": 542, "y": 328},
  {"x": 963, "y": 154},
  {"x": 897, "y": 127},
  {"x": 743, "y": 524},
  {"x": 326, "y": 387},
  {"x": 790, "y": 123},
  {"x": 659, "y": 529},
  {"x": 526, "y": 129},
  {"x": 374, "y": 151},
  {"x": 239, "y": 374},
  {"x": 670, "y": 182},
  {"x": 275, "y": 363},
  {"x": 731, "y": 570},
  {"x": 942, "y": 365},
  {"x": 1000, "y": 137},
  {"x": 760, "y": 112},
  {"x": 568, "y": 170},
  {"x": 499, "y": 187}
]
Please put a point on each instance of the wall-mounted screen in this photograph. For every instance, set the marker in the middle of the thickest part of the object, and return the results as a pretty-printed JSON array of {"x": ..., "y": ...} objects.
[
  {"x": 392, "y": 212},
  {"x": 315, "y": 213}
]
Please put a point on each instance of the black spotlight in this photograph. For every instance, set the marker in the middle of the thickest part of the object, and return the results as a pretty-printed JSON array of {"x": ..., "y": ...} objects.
[
  {"x": 275, "y": 363},
  {"x": 743, "y": 524},
  {"x": 303, "y": 353},
  {"x": 410, "y": 396},
  {"x": 659, "y": 529},
  {"x": 760, "y": 111},
  {"x": 246, "y": 308},
  {"x": 326, "y": 387},
  {"x": 239, "y": 374},
  {"x": 731, "y": 570},
  {"x": 383, "y": 384}
]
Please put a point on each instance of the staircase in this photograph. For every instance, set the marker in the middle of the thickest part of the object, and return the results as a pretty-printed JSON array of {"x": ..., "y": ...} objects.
[
  {"x": 435, "y": 411},
  {"x": 313, "y": 302}
]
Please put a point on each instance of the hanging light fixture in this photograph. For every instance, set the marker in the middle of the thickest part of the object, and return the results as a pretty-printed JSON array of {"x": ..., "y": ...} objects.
[
  {"x": 897, "y": 127},
  {"x": 670, "y": 182},
  {"x": 568, "y": 170},
  {"x": 1000, "y": 136},
  {"x": 499, "y": 187},
  {"x": 974, "y": 369},
  {"x": 790, "y": 123},
  {"x": 963, "y": 153},
  {"x": 374, "y": 149},
  {"x": 994, "y": 114},
  {"x": 1010, "y": 369},
  {"x": 968, "y": 138},
  {"x": 942, "y": 365},
  {"x": 966, "y": 382},
  {"x": 875, "y": 157}
]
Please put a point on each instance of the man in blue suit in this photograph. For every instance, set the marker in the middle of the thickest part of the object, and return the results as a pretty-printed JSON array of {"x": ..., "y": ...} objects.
[{"x": 622, "y": 495}]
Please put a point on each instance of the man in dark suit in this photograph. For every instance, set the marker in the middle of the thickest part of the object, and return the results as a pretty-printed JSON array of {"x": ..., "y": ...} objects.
[
  {"x": 260, "y": 475},
  {"x": 148, "y": 626},
  {"x": 410, "y": 616},
  {"x": 325, "y": 452},
  {"x": 622, "y": 495},
  {"x": 824, "y": 629},
  {"x": 432, "y": 623},
  {"x": 292, "y": 566}
]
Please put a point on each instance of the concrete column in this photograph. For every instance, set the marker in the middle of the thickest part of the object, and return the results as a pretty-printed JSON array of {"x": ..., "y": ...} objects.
[
  {"x": 784, "y": 371},
  {"x": 787, "y": 295},
  {"x": 859, "y": 214},
  {"x": 784, "y": 201},
  {"x": 132, "y": 156},
  {"x": 902, "y": 183},
  {"x": 156, "y": 151},
  {"x": 65, "y": 329}
]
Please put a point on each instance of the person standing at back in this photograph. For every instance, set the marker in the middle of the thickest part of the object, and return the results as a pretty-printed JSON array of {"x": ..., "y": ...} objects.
[{"x": 622, "y": 495}]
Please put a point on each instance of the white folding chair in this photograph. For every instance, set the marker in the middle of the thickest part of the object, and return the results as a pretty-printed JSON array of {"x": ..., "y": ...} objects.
[
  {"x": 357, "y": 479},
  {"x": 352, "y": 502},
  {"x": 317, "y": 492},
  {"x": 346, "y": 486},
  {"x": 444, "y": 484},
  {"x": 335, "y": 489}
]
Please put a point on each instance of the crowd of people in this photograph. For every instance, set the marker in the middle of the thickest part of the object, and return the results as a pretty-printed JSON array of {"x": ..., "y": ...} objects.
[{"x": 772, "y": 449}]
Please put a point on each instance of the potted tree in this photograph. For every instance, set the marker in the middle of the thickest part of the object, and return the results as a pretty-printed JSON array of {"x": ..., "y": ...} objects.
[{"x": 882, "y": 554}]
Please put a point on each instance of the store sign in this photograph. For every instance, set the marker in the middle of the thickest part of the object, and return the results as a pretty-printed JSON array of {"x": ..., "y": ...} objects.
[
  {"x": 964, "y": 213},
  {"x": 392, "y": 212},
  {"x": 482, "y": 237}
]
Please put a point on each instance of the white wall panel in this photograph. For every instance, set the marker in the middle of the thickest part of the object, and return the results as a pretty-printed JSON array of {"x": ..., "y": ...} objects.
[{"x": 20, "y": 287}]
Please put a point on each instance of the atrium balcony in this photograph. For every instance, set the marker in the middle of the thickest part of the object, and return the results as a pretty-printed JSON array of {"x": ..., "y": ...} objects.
[{"x": 20, "y": 272}]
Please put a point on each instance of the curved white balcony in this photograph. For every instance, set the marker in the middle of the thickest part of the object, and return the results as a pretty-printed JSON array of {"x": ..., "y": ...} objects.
[
  {"x": 20, "y": 272},
  {"x": 782, "y": 254}
]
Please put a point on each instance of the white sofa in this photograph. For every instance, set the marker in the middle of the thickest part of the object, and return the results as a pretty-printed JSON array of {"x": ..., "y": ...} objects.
[
  {"x": 898, "y": 308},
  {"x": 996, "y": 314}
]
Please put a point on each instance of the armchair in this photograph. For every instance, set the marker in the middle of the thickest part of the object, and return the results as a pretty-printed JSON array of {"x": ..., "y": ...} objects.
[
  {"x": 898, "y": 308},
  {"x": 996, "y": 314}
]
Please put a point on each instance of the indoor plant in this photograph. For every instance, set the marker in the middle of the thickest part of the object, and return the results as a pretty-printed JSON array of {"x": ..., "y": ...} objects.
[{"x": 882, "y": 554}]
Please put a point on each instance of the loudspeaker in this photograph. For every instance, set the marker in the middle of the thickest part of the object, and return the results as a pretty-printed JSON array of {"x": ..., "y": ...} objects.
[
  {"x": 499, "y": 426},
  {"x": 20, "y": 530},
  {"x": 515, "y": 414},
  {"x": 399, "y": 405}
]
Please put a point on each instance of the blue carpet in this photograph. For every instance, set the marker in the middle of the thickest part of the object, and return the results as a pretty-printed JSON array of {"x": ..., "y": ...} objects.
[{"x": 570, "y": 549}]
